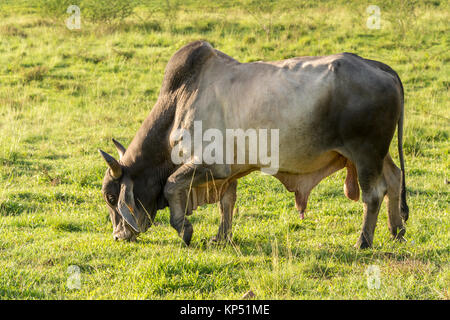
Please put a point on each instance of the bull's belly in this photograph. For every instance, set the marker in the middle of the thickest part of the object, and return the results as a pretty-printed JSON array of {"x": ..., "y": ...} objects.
[
  {"x": 301, "y": 163},
  {"x": 296, "y": 154},
  {"x": 292, "y": 163}
]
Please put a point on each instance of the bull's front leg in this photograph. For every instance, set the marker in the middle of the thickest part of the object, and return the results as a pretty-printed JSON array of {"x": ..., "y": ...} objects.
[
  {"x": 227, "y": 203},
  {"x": 184, "y": 179}
]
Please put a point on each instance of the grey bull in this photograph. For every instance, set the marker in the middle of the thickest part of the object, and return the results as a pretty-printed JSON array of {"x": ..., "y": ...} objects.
[{"x": 331, "y": 112}]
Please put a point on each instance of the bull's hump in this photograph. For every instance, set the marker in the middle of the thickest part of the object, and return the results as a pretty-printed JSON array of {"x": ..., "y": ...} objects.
[{"x": 186, "y": 64}]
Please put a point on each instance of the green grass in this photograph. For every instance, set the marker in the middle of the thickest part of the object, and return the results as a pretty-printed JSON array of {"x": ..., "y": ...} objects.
[{"x": 63, "y": 94}]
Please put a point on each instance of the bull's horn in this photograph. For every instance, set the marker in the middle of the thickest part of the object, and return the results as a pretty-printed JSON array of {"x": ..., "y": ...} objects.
[
  {"x": 114, "y": 166},
  {"x": 120, "y": 148}
]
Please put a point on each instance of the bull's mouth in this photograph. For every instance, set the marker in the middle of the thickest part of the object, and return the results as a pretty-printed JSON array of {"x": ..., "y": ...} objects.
[
  {"x": 130, "y": 226},
  {"x": 125, "y": 236},
  {"x": 124, "y": 232}
]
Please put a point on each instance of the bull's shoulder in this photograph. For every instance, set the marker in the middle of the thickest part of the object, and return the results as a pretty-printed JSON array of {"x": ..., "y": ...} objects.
[{"x": 186, "y": 64}]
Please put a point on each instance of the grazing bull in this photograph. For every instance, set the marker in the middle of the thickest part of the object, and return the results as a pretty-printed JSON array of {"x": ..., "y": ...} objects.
[{"x": 331, "y": 112}]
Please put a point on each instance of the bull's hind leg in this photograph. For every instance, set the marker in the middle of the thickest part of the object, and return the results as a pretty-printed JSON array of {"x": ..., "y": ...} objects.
[
  {"x": 393, "y": 177},
  {"x": 373, "y": 187},
  {"x": 226, "y": 209}
]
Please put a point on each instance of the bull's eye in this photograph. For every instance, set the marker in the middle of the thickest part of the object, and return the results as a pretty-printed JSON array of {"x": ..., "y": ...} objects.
[{"x": 111, "y": 199}]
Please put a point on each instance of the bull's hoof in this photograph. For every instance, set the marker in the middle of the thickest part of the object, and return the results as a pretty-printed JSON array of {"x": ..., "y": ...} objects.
[
  {"x": 215, "y": 241},
  {"x": 363, "y": 243},
  {"x": 400, "y": 239},
  {"x": 221, "y": 239},
  {"x": 398, "y": 236},
  {"x": 186, "y": 235},
  {"x": 187, "y": 239}
]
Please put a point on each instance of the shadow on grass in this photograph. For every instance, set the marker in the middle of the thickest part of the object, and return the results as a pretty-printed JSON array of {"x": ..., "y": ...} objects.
[
  {"x": 68, "y": 227},
  {"x": 342, "y": 254},
  {"x": 20, "y": 166},
  {"x": 16, "y": 294},
  {"x": 13, "y": 208},
  {"x": 439, "y": 195},
  {"x": 25, "y": 202}
]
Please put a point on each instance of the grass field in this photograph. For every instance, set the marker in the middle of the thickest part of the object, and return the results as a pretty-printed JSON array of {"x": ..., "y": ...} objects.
[{"x": 64, "y": 94}]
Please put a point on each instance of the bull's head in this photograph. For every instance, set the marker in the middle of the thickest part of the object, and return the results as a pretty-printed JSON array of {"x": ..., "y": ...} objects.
[{"x": 132, "y": 201}]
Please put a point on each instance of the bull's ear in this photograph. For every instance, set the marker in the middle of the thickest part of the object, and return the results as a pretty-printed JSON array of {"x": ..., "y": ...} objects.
[
  {"x": 120, "y": 148},
  {"x": 114, "y": 166},
  {"x": 126, "y": 205}
]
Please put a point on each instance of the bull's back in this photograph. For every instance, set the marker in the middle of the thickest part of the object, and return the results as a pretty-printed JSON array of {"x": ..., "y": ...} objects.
[{"x": 310, "y": 101}]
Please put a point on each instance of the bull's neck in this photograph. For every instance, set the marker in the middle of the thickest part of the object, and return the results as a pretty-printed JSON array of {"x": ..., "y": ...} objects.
[{"x": 150, "y": 146}]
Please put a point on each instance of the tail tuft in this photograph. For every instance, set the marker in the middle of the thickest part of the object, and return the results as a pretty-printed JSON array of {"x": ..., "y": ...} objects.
[{"x": 404, "y": 209}]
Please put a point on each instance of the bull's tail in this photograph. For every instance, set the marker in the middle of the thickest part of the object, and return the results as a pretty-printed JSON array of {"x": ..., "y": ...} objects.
[{"x": 404, "y": 210}]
